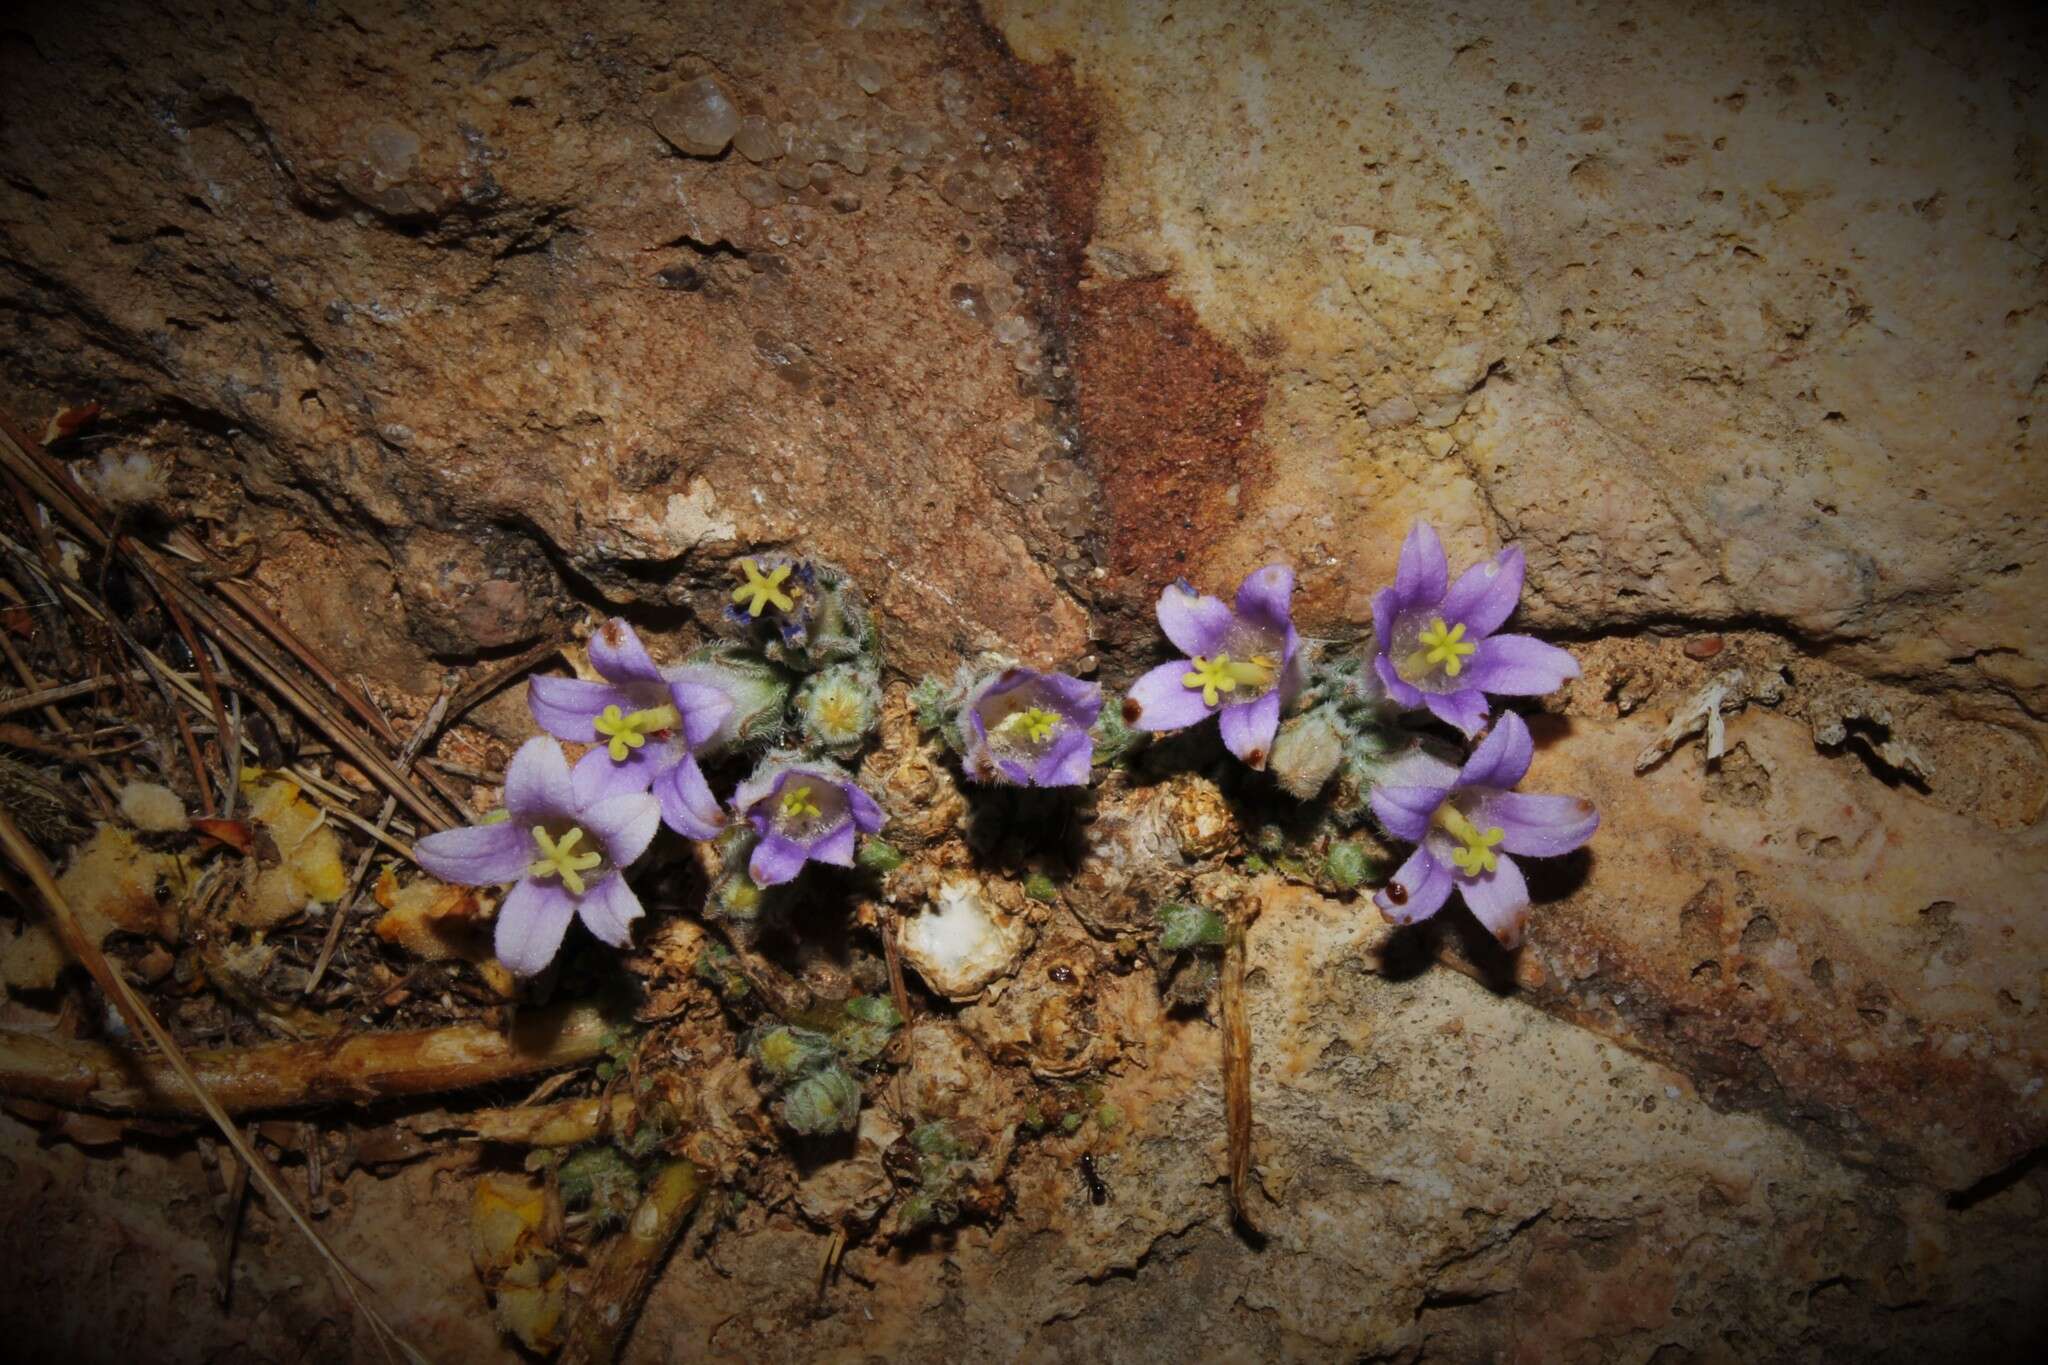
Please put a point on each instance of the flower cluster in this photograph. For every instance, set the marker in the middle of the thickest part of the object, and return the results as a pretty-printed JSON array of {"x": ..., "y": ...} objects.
[{"x": 565, "y": 836}]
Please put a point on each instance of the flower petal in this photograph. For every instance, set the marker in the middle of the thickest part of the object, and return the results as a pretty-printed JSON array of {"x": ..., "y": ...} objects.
[
  {"x": 1518, "y": 666},
  {"x": 1248, "y": 728},
  {"x": 537, "y": 784},
  {"x": 1424, "y": 885},
  {"x": 704, "y": 709},
  {"x": 565, "y": 707},
  {"x": 477, "y": 855},
  {"x": 609, "y": 909},
  {"x": 625, "y": 825},
  {"x": 1463, "y": 710},
  {"x": 1486, "y": 593},
  {"x": 1400, "y": 691},
  {"x": 1196, "y": 622},
  {"x": 1537, "y": 826},
  {"x": 597, "y": 776},
  {"x": 1499, "y": 900},
  {"x": 1077, "y": 701},
  {"x": 531, "y": 921},
  {"x": 687, "y": 805},
  {"x": 1502, "y": 758},
  {"x": 836, "y": 847},
  {"x": 616, "y": 652},
  {"x": 1422, "y": 573},
  {"x": 1066, "y": 765},
  {"x": 775, "y": 860},
  {"x": 867, "y": 816},
  {"x": 1404, "y": 811},
  {"x": 1162, "y": 702},
  {"x": 1416, "y": 766},
  {"x": 1265, "y": 599}
]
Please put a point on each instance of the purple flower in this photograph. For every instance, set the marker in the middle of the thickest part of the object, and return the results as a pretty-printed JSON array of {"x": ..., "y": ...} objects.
[
  {"x": 1436, "y": 642},
  {"x": 1030, "y": 728},
  {"x": 563, "y": 853},
  {"x": 1465, "y": 823},
  {"x": 803, "y": 812},
  {"x": 1241, "y": 663},
  {"x": 648, "y": 727}
]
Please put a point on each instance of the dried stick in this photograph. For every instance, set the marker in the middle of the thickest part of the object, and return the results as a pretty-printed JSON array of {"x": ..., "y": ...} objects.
[
  {"x": 600, "y": 1321},
  {"x": 45, "y": 696},
  {"x": 357, "y": 1069},
  {"x": 141, "y": 1021},
  {"x": 1237, "y": 1073}
]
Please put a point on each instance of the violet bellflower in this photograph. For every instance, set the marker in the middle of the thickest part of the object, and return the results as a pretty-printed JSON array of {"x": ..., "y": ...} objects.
[
  {"x": 1437, "y": 646},
  {"x": 803, "y": 812},
  {"x": 647, "y": 726},
  {"x": 1466, "y": 822},
  {"x": 1242, "y": 665},
  {"x": 1030, "y": 729},
  {"x": 563, "y": 853}
]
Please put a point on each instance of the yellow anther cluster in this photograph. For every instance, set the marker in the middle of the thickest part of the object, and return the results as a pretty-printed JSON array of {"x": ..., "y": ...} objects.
[
  {"x": 762, "y": 591},
  {"x": 1212, "y": 677},
  {"x": 1476, "y": 853},
  {"x": 1033, "y": 725},
  {"x": 626, "y": 732},
  {"x": 1441, "y": 645},
  {"x": 797, "y": 804},
  {"x": 559, "y": 858}
]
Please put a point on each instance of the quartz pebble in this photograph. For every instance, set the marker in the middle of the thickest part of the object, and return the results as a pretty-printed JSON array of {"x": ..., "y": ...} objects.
[
  {"x": 869, "y": 75},
  {"x": 698, "y": 119},
  {"x": 756, "y": 139}
]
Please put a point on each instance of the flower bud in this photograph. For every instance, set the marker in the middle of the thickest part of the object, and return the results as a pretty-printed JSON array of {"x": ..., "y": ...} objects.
[
  {"x": 1185, "y": 927},
  {"x": 1114, "y": 740},
  {"x": 878, "y": 855},
  {"x": 1346, "y": 866},
  {"x": 1306, "y": 752},
  {"x": 789, "y": 1054},
  {"x": 759, "y": 692},
  {"x": 827, "y": 1102},
  {"x": 837, "y": 708}
]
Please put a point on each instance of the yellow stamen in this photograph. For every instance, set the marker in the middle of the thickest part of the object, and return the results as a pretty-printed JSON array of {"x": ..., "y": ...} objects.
[
  {"x": 761, "y": 591},
  {"x": 558, "y": 858},
  {"x": 1218, "y": 675},
  {"x": 1441, "y": 644},
  {"x": 1034, "y": 725},
  {"x": 1477, "y": 853},
  {"x": 630, "y": 732},
  {"x": 797, "y": 804}
]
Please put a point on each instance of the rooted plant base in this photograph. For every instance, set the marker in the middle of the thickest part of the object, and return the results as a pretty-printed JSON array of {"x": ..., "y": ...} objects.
[{"x": 444, "y": 316}]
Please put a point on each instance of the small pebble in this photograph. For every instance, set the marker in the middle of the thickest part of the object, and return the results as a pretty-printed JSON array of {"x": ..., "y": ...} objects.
[
  {"x": 1703, "y": 646},
  {"x": 869, "y": 75},
  {"x": 756, "y": 140},
  {"x": 699, "y": 118}
]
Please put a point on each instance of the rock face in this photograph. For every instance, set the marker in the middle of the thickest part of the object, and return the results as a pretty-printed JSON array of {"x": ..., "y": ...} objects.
[{"x": 470, "y": 317}]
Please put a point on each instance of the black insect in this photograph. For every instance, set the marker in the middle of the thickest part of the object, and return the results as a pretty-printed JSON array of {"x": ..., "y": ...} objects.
[{"x": 1098, "y": 1193}]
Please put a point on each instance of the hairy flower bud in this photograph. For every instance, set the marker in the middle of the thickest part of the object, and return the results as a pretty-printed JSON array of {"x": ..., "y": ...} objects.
[
  {"x": 759, "y": 692},
  {"x": 826, "y": 1102},
  {"x": 1184, "y": 927},
  {"x": 1346, "y": 866},
  {"x": 837, "y": 708},
  {"x": 1307, "y": 751},
  {"x": 788, "y": 1054}
]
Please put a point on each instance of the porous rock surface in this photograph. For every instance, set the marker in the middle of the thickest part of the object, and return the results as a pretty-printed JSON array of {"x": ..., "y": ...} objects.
[{"x": 1733, "y": 318}]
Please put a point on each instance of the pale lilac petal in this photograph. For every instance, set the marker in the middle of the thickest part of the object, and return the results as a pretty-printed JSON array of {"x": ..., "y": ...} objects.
[
  {"x": 1502, "y": 758},
  {"x": 1426, "y": 884},
  {"x": 775, "y": 860},
  {"x": 625, "y": 825},
  {"x": 1195, "y": 622},
  {"x": 597, "y": 776},
  {"x": 1162, "y": 702},
  {"x": 1423, "y": 573},
  {"x": 537, "y": 783},
  {"x": 1463, "y": 710},
  {"x": 1079, "y": 702},
  {"x": 616, "y": 652},
  {"x": 1404, "y": 811},
  {"x": 1248, "y": 728},
  {"x": 687, "y": 805},
  {"x": 1387, "y": 604},
  {"x": 835, "y": 848},
  {"x": 867, "y": 816},
  {"x": 565, "y": 707},
  {"x": 757, "y": 787},
  {"x": 1518, "y": 666},
  {"x": 1294, "y": 672},
  {"x": 703, "y": 708},
  {"x": 1499, "y": 900},
  {"x": 1066, "y": 765},
  {"x": 1418, "y": 767},
  {"x": 477, "y": 855},
  {"x": 1400, "y": 691},
  {"x": 1265, "y": 598},
  {"x": 1012, "y": 771},
  {"x": 531, "y": 921},
  {"x": 1486, "y": 593},
  {"x": 608, "y": 911},
  {"x": 1537, "y": 826}
]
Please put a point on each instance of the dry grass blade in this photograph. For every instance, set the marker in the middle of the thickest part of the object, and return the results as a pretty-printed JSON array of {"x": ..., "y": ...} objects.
[
  {"x": 46, "y": 696},
  {"x": 141, "y": 1021}
]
